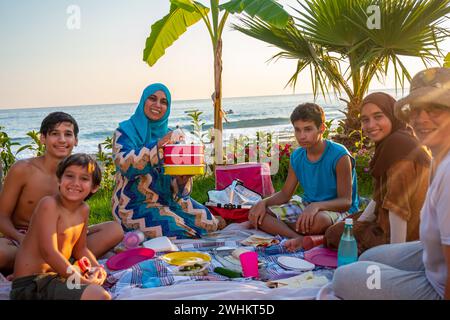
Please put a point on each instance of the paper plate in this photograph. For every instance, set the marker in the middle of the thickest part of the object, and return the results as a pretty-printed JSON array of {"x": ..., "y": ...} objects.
[
  {"x": 293, "y": 263},
  {"x": 322, "y": 257},
  {"x": 129, "y": 258},
  {"x": 185, "y": 257}
]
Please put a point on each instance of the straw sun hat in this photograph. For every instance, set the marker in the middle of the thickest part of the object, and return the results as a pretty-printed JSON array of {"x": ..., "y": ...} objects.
[{"x": 429, "y": 87}]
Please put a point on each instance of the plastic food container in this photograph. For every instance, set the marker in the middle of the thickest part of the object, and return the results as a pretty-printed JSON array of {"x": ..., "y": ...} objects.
[
  {"x": 188, "y": 159},
  {"x": 184, "y": 170},
  {"x": 184, "y": 159},
  {"x": 184, "y": 149}
]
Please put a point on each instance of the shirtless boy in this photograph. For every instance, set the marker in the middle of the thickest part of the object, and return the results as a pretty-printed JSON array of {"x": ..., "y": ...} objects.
[
  {"x": 28, "y": 181},
  {"x": 57, "y": 232}
]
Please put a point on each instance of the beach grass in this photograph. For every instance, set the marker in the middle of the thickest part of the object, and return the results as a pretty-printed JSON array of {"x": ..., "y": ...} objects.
[
  {"x": 101, "y": 206},
  {"x": 100, "y": 203}
]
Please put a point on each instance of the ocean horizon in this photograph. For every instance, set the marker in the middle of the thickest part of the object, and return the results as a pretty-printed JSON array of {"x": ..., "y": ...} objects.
[{"x": 247, "y": 115}]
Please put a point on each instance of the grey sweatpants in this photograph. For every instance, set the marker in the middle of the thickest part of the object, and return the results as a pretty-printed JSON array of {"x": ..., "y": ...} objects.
[{"x": 387, "y": 272}]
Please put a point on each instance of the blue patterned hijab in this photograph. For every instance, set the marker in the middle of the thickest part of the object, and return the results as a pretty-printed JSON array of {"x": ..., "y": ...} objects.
[{"x": 140, "y": 129}]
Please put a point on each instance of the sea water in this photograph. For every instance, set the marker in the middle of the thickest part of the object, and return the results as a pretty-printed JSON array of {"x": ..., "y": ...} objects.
[{"x": 97, "y": 122}]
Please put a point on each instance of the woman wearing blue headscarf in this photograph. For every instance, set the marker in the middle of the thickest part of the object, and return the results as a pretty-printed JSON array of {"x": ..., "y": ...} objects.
[{"x": 144, "y": 198}]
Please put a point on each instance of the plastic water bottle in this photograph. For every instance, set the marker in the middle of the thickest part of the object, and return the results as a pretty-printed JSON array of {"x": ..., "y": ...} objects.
[
  {"x": 348, "y": 248},
  {"x": 133, "y": 239}
]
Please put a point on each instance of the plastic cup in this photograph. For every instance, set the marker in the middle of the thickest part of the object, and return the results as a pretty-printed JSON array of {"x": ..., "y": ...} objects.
[
  {"x": 249, "y": 263},
  {"x": 310, "y": 242}
]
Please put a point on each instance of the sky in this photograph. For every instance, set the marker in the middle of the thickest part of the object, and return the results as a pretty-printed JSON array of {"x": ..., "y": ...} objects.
[{"x": 43, "y": 63}]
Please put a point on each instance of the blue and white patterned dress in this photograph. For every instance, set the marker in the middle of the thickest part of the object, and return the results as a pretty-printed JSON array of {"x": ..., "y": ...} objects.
[{"x": 146, "y": 199}]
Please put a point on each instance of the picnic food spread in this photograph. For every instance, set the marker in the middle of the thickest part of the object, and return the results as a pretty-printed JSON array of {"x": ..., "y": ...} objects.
[
  {"x": 260, "y": 240},
  {"x": 221, "y": 259},
  {"x": 185, "y": 257},
  {"x": 192, "y": 269}
]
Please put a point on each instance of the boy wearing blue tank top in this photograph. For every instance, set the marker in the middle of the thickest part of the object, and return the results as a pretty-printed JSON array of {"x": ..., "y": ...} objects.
[{"x": 324, "y": 169}]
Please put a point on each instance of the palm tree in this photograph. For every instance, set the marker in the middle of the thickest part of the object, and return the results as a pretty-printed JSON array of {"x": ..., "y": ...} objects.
[
  {"x": 184, "y": 13},
  {"x": 333, "y": 39}
]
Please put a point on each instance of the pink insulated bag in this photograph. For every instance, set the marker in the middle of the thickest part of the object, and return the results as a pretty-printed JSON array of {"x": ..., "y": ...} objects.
[{"x": 255, "y": 176}]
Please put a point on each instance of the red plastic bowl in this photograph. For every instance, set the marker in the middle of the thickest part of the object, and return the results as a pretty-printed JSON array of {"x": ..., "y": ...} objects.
[{"x": 129, "y": 258}]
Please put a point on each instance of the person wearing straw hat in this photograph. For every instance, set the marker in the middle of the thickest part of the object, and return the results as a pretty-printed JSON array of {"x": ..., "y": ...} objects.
[{"x": 420, "y": 269}]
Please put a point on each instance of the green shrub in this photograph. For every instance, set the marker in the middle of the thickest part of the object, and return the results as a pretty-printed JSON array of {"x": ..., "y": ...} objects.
[
  {"x": 100, "y": 205},
  {"x": 365, "y": 185},
  {"x": 202, "y": 184},
  {"x": 36, "y": 145},
  {"x": 7, "y": 156},
  {"x": 104, "y": 157}
]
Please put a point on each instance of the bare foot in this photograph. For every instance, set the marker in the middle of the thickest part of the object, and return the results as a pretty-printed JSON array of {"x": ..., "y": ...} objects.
[
  {"x": 222, "y": 223},
  {"x": 246, "y": 225},
  {"x": 294, "y": 244}
]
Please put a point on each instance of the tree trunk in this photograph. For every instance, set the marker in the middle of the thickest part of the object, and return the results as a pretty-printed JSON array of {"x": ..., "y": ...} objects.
[
  {"x": 218, "y": 115},
  {"x": 352, "y": 121},
  {"x": 350, "y": 124}
]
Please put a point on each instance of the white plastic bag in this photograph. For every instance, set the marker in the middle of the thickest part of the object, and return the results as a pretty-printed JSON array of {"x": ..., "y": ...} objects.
[{"x": 235, "y": 194}]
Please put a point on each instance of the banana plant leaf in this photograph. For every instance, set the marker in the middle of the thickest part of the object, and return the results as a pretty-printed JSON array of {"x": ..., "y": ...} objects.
[{"x": 183, "y": 14}]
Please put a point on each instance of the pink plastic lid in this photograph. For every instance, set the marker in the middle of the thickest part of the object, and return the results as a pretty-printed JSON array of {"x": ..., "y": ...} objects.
[
  {"x": 129, "y": 258},
  {"x": 133, "y": 239},
  {"x": 322, "y": 257}
]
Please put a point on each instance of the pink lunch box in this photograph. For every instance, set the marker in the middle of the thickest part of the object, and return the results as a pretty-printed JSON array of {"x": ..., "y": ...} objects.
[
  {"x": 180, "y": 149},
  {"x": 177, "y": 154}
]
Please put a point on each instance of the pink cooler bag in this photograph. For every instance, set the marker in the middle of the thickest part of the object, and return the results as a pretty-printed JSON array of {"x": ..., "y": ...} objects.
[{"x": 255, "y": 176}]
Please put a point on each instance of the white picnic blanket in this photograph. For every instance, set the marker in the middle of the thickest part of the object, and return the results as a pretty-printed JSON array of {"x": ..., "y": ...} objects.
[
  {"x": 192, "y": 289},
  {"x": 239, "y": 289}
]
